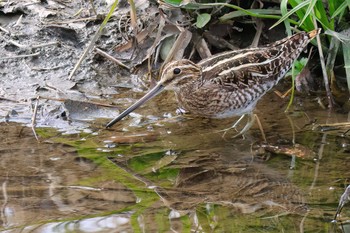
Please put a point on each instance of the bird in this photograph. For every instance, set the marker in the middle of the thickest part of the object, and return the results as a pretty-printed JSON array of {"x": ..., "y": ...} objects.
[{"x": 227, "y": 84}]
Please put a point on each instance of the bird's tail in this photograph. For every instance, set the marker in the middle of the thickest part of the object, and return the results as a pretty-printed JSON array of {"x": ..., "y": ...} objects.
[{"x": 314, "y": 33}]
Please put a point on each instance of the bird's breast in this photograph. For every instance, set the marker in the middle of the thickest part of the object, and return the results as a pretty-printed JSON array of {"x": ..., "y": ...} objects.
[{"x": 214, "y": 100}]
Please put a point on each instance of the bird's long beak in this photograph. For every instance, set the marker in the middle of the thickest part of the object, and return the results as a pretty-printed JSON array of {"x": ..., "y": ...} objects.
[{"x": 152, "y": 93}]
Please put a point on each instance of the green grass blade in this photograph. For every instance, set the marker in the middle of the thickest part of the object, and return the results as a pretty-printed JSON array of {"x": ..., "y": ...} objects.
[
  {"x": 247, "y": 12},
  {"x": 341, "y": 37},
  {"x": 322, "y": 16},
  {"x": 133, "y": 16},
  {"x": 294, "y": 10},
  {"x": 324, "y": 71},
  {"x": 284, "y": 11},
  {"x": 94, "y": 39},
  {"x": 334, "y": 5},
  {"x": 308, "y": 25},
  {"x": 340, "y": 9},
  {"x": 332, "y": 55},
  {"x": 235, "y": 14},
  {"x": 293, "y": 88},
  {"x": 263, "y": 13},
  {"x": 346, "y": 54},
  {"x": 187, "y": 6},
  {"x": 308, "y": 11},
  {"x": 345, "y": 39}
]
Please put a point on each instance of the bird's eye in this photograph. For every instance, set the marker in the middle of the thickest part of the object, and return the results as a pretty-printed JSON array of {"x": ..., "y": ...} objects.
[{"x": 177, "y": 71}]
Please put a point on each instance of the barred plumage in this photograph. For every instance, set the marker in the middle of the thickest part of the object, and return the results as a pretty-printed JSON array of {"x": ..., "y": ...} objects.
[{"x": 229, "y": 83}]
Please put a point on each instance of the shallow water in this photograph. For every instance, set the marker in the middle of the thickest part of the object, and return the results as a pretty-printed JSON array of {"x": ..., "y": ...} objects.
[{"x": 158, "y": 173}]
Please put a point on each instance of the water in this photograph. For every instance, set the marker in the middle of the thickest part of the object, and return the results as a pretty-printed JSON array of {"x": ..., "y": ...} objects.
[{"x": 154, "y": 172}]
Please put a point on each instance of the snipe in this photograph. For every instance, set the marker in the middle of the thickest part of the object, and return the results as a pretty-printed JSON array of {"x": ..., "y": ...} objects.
[{"x": 230, "y": 83}]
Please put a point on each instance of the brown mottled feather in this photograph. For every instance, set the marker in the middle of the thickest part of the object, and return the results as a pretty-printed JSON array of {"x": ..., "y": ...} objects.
[
  {"x": 232, "y": 82},
  {"x": 229, "y": 83}
]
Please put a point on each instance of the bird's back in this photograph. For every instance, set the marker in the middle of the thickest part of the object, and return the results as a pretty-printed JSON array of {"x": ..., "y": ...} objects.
[
  {"x": 232, "y": 82},
  {"x": 255, "y": 65}
]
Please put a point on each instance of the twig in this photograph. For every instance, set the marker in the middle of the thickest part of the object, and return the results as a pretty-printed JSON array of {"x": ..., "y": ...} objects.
[
  {"x": 93, "y": 7},
  {"x": 33, "y": 46},
  {"x": 259, "y": 27},
  {"x": 17, "y": 44},
  {"x": 54, "y": 88},
  {"x": 106, "y": 55},
  {"x": 148, "y": 183},
  {"x": 34, "y": 118},
  {"x": 44, "y": 44},
  {"x": 341, "y": 125},
  {"x": 133, "y": 17},
  {"x": 282, "y": 95},
  {"x": 11, "y": 100},
  {"x": 58, "y": 24},
  {"x": 87, "y": 102},
  {"x": 93, "y": 40},
  {"x": 35, "y": 68},
  {"x": 4, "y": 30},
  {"x": 260, "y": 127},
  {"x": 21, "y": 56},
  {"x": 19, "y": 21},
  {"x": 323, "y": 65}
]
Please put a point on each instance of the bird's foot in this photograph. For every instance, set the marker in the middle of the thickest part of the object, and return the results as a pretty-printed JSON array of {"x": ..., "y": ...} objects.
[{"x": 247, "y": 126}]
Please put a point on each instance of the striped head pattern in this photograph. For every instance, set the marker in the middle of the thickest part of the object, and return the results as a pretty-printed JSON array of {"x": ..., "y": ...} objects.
[{"x": 176, "y": 74}]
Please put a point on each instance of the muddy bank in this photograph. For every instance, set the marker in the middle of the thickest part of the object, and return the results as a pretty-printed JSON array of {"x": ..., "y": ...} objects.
[{"x": 40, "y": 44}]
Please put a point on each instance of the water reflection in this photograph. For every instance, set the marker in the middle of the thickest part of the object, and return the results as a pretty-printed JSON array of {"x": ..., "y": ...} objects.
[
  {"x": 112, "y": 223},
  {"x": 174, "y": 175},
  {"x": 39, "y": 183}
]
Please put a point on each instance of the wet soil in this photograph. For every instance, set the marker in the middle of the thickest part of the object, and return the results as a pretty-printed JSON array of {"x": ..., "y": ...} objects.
[{"x": 39, "y": 52}]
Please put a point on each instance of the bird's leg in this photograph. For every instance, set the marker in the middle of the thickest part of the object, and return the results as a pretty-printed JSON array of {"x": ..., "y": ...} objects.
[
  {"x": 234, "y": 126},
  {"x": 250, "y": 122},
  {"x": 248, "y": 125}
]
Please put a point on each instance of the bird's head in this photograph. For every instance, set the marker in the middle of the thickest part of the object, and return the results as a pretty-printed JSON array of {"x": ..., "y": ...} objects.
[
  {"x": 173, "y": 76},
  {"x": 177, "y": 74}
]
